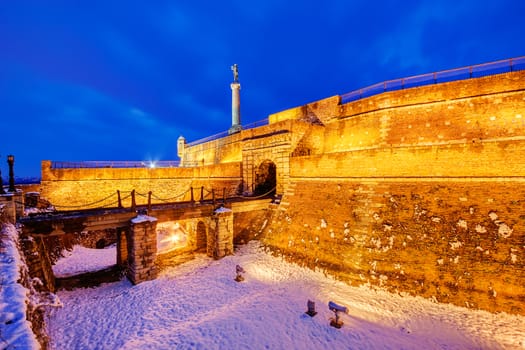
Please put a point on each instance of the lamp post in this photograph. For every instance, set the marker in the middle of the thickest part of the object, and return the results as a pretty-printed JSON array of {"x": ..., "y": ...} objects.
[{"x": 11, "y": 162}]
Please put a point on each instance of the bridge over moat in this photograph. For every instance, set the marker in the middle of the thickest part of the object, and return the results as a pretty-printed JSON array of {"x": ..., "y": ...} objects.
[{"x": 149, "y": 235}]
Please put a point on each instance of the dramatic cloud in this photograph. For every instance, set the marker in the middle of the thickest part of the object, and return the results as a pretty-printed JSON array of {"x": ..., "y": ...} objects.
[{"x": 123, "y": 80}]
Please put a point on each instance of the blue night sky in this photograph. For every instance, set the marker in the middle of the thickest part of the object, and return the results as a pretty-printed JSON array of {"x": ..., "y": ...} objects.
[{"x": 122, "y": 80}]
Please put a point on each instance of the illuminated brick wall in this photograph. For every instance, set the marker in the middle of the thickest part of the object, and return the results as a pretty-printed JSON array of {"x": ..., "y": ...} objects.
[
  {"x": 84, "y": 188},
  {"x": 419, "y": 191},
  {"x": 459, "y": 241}
]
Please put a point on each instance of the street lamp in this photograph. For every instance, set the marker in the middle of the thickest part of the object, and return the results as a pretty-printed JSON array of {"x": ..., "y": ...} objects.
[{"x": 11, "y": 162}]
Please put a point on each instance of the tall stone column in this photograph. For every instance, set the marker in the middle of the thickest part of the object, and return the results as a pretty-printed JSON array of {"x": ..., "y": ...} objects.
[
  {"x": 236, "y": 102},
  {"x": 142, "y": 249},
  {"x": 220, "y": 235}
]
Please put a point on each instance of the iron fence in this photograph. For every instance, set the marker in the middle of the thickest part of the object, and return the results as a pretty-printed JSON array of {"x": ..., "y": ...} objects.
[
  {"x": 226, "y": 133},
  {"x": 476, "y": 71},
  {"x": 115, "y": 164}
]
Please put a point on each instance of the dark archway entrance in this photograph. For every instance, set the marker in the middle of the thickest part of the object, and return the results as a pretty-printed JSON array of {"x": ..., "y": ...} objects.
[
  {"x": 265, "y": 178},
  {"x": 201, "y": 239}
]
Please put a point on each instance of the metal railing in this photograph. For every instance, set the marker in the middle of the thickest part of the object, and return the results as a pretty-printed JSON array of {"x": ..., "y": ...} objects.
[
  {"x": 476, "y": 71},
  {"x": 226, "y": 133},
  {"x": 115, "y": 164}
]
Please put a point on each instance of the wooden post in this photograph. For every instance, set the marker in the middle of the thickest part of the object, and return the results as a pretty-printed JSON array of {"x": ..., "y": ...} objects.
[
  {"x": 213, "y": 196},
  {"x": 202, "y": 194},
  {"x": 192, "y": 199},
  {"x": 133, "y": 203},
  {"x": 224, "y": 195},
  {"x": 149, "y": 202},
  {"x": 119, "y": 199}
]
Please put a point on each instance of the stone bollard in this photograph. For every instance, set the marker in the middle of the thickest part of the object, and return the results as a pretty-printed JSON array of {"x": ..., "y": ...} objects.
[
  {"x": 239, "y": 273},
  {"x": 310, "y": 308}
]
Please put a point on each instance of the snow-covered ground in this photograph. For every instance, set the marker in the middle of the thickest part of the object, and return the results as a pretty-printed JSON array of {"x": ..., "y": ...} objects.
[
  {"x": 198, "y": 305},
  {"x": 15, "y": 330},
  {"x": 82, "y": 259}
]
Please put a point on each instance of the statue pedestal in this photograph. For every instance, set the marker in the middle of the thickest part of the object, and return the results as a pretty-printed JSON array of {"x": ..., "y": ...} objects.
[{"x": 234, "y": 129}]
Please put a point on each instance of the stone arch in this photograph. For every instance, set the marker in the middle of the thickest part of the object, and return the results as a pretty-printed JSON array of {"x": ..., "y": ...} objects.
[
  {"x": 101, "y": 243},
  {"x": 265, "y": 178},
  {"x": 201, "y": 236}
]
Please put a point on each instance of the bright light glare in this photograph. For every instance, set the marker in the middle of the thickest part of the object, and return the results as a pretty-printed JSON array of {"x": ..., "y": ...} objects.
[
  {"x": 175, "y": 238},
  {"x": 170, "y": 236}
]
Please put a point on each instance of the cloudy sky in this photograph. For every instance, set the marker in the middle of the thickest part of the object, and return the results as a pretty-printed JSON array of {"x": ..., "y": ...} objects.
[{"x": 122, "y": 80}]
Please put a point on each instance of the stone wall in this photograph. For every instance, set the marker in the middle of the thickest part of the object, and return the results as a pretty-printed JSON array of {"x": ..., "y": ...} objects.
[
  {"x": 224, "y": 150},
  {"x": 82, "y": 188},
  {"x": 142, "y": 249},
  {"x": 418, "y": 191},
  {"x": 195, "y": 240},
  {"x": 456, "y": 242},
  {"x": 24, "y": 325},
  {"x": 250, "y": 219}
]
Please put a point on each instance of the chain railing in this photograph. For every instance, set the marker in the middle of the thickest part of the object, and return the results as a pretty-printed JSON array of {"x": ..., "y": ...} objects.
[
  {"x": 476, "y": 71},
  {"x": 201, "y": 194}
]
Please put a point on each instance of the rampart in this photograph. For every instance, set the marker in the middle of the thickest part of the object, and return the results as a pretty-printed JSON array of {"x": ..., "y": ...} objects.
[
  {"x": 80, "y": 188},
  {"x": 418, "y": 191}
]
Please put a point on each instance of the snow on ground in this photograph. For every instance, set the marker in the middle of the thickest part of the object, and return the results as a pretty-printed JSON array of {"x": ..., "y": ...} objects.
[
  {"x": 198, "y": 305},
  {"x": 15, "y": 330},
  {"x": 82, "y": 259}
]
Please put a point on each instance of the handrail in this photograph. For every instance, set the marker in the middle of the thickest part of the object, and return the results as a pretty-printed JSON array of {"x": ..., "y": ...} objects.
[
  {"x": 463, "y": 73},
  {"x": 220, "y": 135},
  {"x": 115, "y": 164},
  {"x": 104, "y": 204}
]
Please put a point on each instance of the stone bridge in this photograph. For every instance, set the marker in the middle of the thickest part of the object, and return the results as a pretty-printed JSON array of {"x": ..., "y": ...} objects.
[{"x": 148, "y": 237}]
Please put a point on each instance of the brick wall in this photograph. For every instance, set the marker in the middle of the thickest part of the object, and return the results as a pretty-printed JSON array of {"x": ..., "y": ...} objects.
[
  {"x": 79, "y": 188},
  {"x": 459, "y": 242},
  {"x": 418, "y": 191}
]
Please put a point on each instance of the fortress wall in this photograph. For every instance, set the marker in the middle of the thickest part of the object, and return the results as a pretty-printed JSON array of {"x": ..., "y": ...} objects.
[
  {"x": 504, "y": 159},
  {"x": 424, "y": 196},
  {"x": 224, "y": 150},
  {"x": 465, "y": 112},
  {"x": 77, "y": 188},
  {"x": 230, "y": 148},
  {"x": 457, "y": 242},
  {"x": 489, "y": 85}
]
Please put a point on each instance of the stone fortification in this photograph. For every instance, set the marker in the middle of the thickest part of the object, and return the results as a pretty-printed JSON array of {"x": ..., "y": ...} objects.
[
  {"x": 81, "y": 188},
  {"x": 418, "y": 191}
]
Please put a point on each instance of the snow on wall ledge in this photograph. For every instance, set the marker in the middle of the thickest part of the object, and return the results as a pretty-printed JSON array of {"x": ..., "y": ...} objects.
[{"x": 15, "y": 330}]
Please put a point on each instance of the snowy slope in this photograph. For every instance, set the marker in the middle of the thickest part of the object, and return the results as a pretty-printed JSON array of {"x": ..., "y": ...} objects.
[
  {"x": 15, "y": 330},
  {"x": 82, "y": 259},
  {"x": 198, "y": 305}
]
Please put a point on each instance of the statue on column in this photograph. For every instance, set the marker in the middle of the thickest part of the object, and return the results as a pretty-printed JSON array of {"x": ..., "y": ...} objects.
[{"x": 235, "y": 70}]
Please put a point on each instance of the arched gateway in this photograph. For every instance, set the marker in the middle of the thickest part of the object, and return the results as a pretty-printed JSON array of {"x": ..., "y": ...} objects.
[{"x": 265, "y": 178}]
